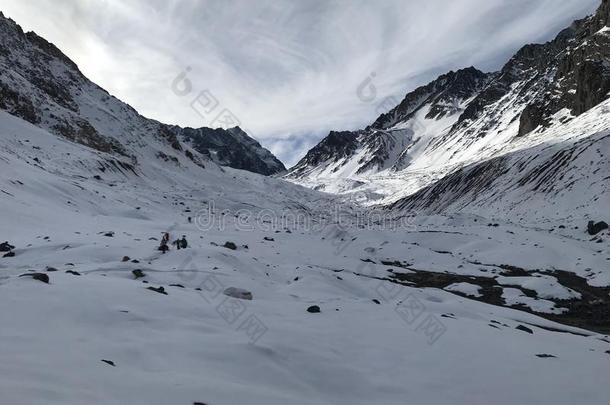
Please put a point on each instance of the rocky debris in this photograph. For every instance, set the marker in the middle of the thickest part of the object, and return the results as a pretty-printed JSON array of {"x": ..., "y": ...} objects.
[
  {"x": 230, "y": 245},
  {"x": 593, "y": 228},
  {"x": 159, "y": 290},
  {"x": 199, "y": 403},
  {"x": 138, "y": 273},
  {"x": 239, "y": 293},
  {"x": 525, "y": 329},
  {"x": 6, "y": 247},
  {"x": 50, "y": 269},
  {"x": 9, "y": 254},
  {"x": 545, "y": 356},
  {"x": 268, "y": 239},
  {"x": 37, "y": 276},
  {"x": 376, "y": 301},
  {"x": 74, "y": 273},
  {"x": 314, "y": 309},
  {"x": 109, "y": 234},
  {"x": 176, "y": 285},
  {"x": 125, "y": 259},
  {"x": 109, "y": 362}
]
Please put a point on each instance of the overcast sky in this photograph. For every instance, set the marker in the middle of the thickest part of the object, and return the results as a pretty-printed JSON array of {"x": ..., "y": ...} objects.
[{"x": 289, "y": 70}]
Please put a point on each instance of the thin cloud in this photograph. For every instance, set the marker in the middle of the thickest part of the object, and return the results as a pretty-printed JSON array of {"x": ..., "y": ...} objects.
[{"x": 289, "y": 70}]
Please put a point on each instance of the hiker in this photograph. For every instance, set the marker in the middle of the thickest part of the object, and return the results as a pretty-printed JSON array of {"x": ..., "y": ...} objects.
[
  {"x": 183, "y": 243},
  {"x": 163, "y": 247},
  {"x": 165, "y": 239}
]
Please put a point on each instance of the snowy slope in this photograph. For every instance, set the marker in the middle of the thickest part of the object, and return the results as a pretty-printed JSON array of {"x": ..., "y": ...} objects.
[
  {"x": 437, "y": 129},
  {"x": 566, "y": 179}
]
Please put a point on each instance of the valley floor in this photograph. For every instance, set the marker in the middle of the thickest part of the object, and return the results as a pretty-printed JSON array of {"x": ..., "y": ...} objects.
[{"x": 406, "y": 307}]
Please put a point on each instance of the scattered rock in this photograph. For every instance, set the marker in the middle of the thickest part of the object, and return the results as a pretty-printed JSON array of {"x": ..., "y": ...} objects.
[
  {"x": 176, "y": 285},
  {"x": 135, "y": 261},
  {"x": 159, "y": 290},
  {"x": 37, "y": 276},
  {"x": 109, "y": 362},
  {"x": 376, "y": 301},
  {"x": 125, "y": 259},
  {"x": 545, "y": 356},
  {"x": 314, "y": 309},
  {"x": 50, "y": 269},
  {"x": 268, "y": 239},
  {"x": 230, "y": 245},
  {"x": 199, "y": 403},
  {"x": 109, "y": 234},
  {"x": 74, "y": 273},
  {"x": 239, "y": 293},
  {"x": 9, "y": 254},
  {"x": 138, "y": 273},
  {"x": 593, "y": 228},
  {"x": 525, "y": 329},
  {"x": 6, "y": 247}
]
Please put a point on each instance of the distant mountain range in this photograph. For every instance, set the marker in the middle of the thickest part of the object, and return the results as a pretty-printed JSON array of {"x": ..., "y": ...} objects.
[{"x": 469, "y": 127}]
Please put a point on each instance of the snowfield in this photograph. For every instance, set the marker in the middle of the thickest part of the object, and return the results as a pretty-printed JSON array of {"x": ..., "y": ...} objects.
[{"x": 395, "y": 324}]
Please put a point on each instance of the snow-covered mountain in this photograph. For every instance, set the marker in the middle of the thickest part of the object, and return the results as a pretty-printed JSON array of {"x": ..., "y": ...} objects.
[
  {"x": 467, "y": 117},
  {"x": 41, "y": 85}
]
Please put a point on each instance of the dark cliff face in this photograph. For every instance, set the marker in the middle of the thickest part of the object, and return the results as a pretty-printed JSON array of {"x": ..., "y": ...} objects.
[
  {"x": 571, "y": 72},
  {"x": 41, "y": 85},
  {"x": 449, "y": 87},
  {"x": 335, "y": 146},
  {"x": 232, "y": 147}
]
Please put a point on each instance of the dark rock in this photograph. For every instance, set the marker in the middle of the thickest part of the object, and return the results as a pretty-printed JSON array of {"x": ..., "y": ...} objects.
[
  {"x": 9, "y": 254},
  {"x": 74, "y": 273},
  {"x": 6, "y": 247},
  {"x": 239, "y": 293},
  {"x": 109, "y": 234},
  {"x": 593, "y": 228},
  {"x": 135, "y": 261},
  {"x": 138, "y": 273},
  {"x": 230, "y": 245},
  {"x": 159, "y": 290},
  {"x": 125, "y": 259},
  {"x": 525, "y": 329},
  {"x": 109, "y": 362},
  {"x": 545, "y": 356},
  {"x": 50, "y": 269},
  {"x": 376, "y": 301},
  {"x": 314, "y": 309},
  {"x": 176, "y": 285},
  {"x": 37, "y": 276},
  {"x": 269, "y": 239}
]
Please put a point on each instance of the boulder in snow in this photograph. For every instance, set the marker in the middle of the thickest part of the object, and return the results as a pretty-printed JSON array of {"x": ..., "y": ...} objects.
[
  {"x": 239, "y": 293},
  {"x": 596, "y": 227}
]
